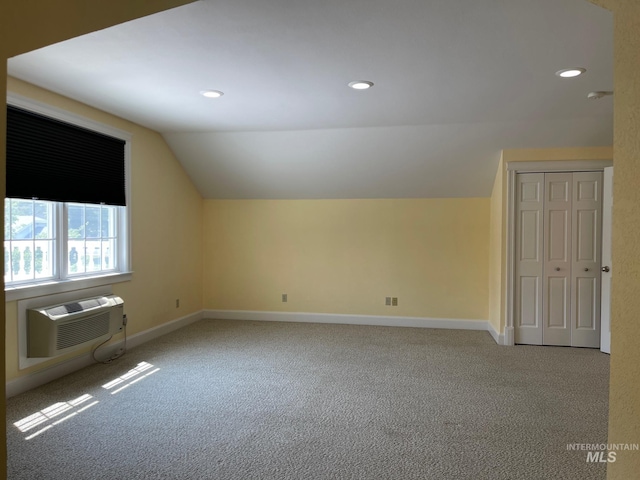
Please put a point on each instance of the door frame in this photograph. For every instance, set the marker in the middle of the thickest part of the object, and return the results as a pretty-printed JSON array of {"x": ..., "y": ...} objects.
[
  {"x": 512, "y": 169},
  {"x": 607, "y": 214}
]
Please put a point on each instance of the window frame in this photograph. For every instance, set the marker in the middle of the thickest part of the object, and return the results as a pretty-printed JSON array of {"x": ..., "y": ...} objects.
[{"x": 64, "y": 283}]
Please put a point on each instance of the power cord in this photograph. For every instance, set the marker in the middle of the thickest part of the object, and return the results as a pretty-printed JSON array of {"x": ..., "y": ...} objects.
[{"x": 120, "y": 352}]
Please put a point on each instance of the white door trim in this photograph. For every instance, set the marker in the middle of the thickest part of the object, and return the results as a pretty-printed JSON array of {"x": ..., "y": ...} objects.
[
  {"x": 559, "y": 166},
  {"x": 605, "y": 315},
  {"x": 514, "y": 168}
]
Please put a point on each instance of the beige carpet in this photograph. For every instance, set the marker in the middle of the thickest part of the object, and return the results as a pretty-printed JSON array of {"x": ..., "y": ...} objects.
[{"x": 261, "y": 400}]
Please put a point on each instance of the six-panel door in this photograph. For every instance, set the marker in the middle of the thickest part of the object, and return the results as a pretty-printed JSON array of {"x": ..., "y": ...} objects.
[{"x": 558, "y": 257}]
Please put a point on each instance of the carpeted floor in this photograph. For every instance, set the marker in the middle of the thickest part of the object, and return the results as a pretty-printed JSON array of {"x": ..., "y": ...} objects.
[{"x": 262, "y": 400}]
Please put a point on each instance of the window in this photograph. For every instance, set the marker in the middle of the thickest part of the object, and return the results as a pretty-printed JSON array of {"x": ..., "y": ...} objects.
[
  {"x": 91, "y": 238},
  {"x": 53, "y": 240},
  {"x": 38, "y": 246},
  {"x": 30, "y": 240}
]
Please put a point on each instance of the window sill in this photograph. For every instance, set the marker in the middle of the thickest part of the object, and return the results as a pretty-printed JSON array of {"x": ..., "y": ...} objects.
[{"x": 21, "y": 292}]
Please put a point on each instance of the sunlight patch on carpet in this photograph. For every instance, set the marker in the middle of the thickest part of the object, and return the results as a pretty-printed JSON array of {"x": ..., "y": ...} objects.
[
  {"x": 125, "y": 381},
  {"x": 47, "y": 414}
]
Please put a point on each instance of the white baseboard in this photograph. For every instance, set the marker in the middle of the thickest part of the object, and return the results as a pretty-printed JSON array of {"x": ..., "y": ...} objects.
[
  {"x": 376, "y": 320},
  {"x": 33, "y": 380},
  {"x": 160, "y": 330},
  {"x": 27, "y": 382},
  {"x": 498, "y": 337}
]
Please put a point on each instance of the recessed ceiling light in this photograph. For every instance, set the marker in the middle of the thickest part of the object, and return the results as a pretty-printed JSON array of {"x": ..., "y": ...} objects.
[
  {"x": 211, "y": 93},
  {"x": 570, "y": 72},
  {"x": 360, "y": 85}
]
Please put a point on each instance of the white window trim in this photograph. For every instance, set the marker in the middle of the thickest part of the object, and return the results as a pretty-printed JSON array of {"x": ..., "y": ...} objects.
[{"x": 48, "y": 287}]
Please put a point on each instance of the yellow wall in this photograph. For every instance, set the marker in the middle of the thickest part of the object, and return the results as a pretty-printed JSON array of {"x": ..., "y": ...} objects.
[
  {"x": 33, "y": 24},
  {"x": 3, "y": 406},
  {"x": 25, "y": 26},
  {"x": 166, "y": 214},
  {"x": 497, "y": 257},
  {"x": 624, "y": 391},
  {"x": 346, "y": 256}
]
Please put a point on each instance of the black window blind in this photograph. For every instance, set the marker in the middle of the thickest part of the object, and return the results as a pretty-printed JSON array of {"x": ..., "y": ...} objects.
[{"x": 53, "y": 160}]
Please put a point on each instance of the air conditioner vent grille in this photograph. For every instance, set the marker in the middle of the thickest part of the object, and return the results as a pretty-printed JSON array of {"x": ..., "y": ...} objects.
[
  {"x": 80, "y": 331},
  {"x": 75, "y": 307}
]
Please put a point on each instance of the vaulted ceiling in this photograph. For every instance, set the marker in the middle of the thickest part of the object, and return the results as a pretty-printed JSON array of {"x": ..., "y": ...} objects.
[{"x": 455, "y": 82}]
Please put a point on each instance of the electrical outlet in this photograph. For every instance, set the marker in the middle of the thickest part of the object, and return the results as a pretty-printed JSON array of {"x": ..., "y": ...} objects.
[
  {"x": 387, "y": 301},
  {"x": 394, "y": 301},
  {"x": 177, "y": 303},
  {"x": 284, "y": 297}
]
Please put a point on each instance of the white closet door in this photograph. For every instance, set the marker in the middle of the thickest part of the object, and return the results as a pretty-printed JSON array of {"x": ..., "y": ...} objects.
[
  {"x": 529, "y": 262},
  {"x": 586, "y": 259},
  {"x": 556, "y": 282}
]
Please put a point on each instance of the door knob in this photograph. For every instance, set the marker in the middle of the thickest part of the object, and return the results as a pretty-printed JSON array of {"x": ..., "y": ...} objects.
[
  {"x": 557, "y": 269},
  {"x": 586, "y": 269},
  {"x": 605, "y": 268}
]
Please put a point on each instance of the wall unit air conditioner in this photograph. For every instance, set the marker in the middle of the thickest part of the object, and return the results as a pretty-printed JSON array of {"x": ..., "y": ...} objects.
[{"x": 62, "y": 328}]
